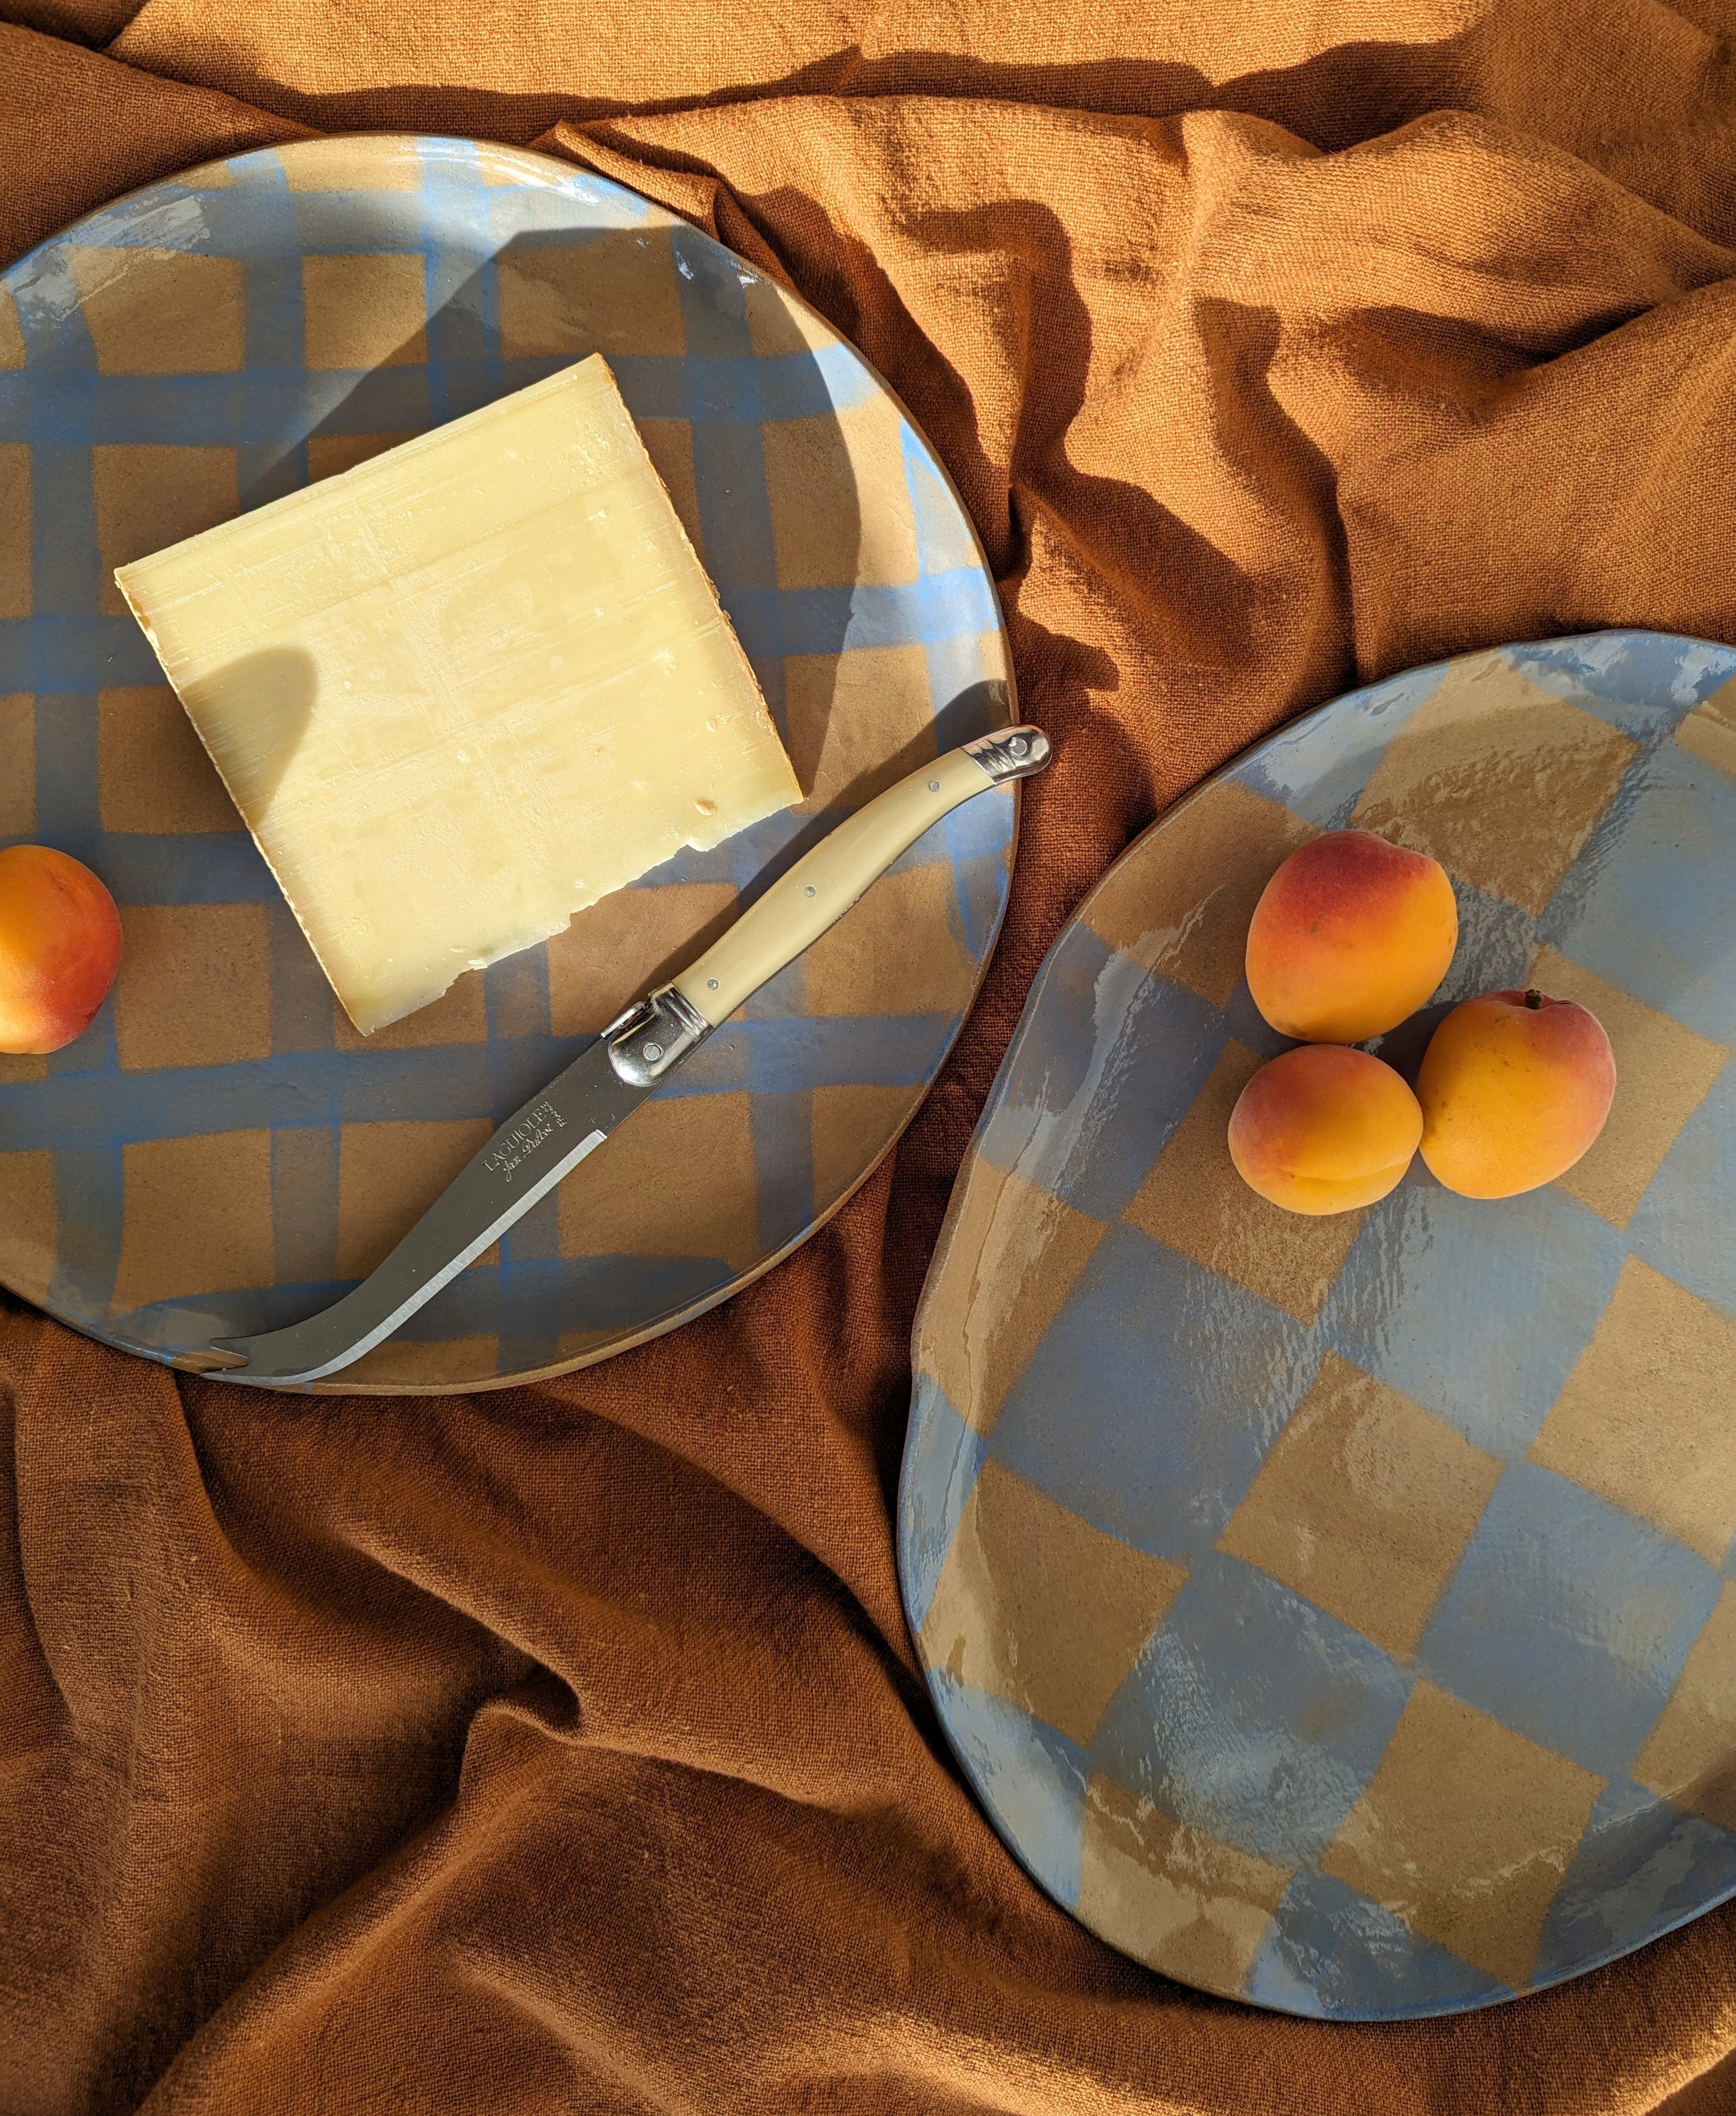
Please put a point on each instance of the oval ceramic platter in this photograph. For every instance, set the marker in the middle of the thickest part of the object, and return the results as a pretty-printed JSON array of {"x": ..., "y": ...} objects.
[
  {"x": 1340, "y": 1614},
  {"x": 220, "y": 1153}
]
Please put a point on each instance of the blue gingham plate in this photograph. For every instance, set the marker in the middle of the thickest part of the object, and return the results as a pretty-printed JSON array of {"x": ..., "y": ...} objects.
[
  {"x": 220, "y": 1153},
  {"x": 1340, "y": 1614}
]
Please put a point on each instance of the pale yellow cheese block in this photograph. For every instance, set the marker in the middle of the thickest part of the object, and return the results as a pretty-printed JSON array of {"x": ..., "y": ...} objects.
[{"x": 465, "y": 689}]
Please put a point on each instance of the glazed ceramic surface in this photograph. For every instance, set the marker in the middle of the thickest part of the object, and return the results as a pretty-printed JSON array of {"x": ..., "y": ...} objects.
[
  {"x": 1340, "y": 1613},
  {"x": 220, "y": 1153}
]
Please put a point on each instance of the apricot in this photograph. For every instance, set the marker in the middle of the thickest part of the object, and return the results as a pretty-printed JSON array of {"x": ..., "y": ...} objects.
[
  {"x": 1324, "y": 1130},
  {"x": 60, "y": 944},
  {"x": 1350, "y": 937},
  {"x": 1514, "y": 1087}
]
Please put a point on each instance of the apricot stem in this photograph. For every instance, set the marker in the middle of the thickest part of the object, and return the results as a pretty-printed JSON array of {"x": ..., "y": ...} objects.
[{"x": 1534, "y": 1000}]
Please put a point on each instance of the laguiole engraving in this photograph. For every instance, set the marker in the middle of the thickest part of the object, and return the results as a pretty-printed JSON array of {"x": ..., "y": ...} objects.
[{"x": 540, "y": 1122}]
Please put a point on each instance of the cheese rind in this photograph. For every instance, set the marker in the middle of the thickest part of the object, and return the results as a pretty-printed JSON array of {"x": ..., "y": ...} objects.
[{"x": 465, "y": 689}]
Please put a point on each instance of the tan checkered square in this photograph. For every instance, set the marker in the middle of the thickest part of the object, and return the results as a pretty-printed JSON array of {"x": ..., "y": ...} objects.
[
  {"x": 364, "y": 312},
  {"x": 459, "y": 1015},
  {"x": 1708, "y": 732},
  {"x": 301, "y": 1187},
  {"x": 11, "y": 335},
  {"x": 209, "y": 177},
  {"x": 620, "y": 1202},
  {"x": 329, "y": 455},
  {"x": 1035, "y": 1606},
  {"x": 865, "y": 963},
  {"x": 167, "y": 1252},
  {"x": 1182, "y": 909},
  {"x": 1690, "y": 1754},
  {"x": 153, "y": 773},
  {"x": 779, "y": 323},
  {"x": 14, "y": 1069},
  {"x": 147, "y": 497},
  {"x": 617, "y": 291},
  {"x": 1464, "y": 1832},
  {"x": 627, "y": 944},
  {"x": 194, "y": 987},
  {"x": 1192, "y": 1200},
  {"x": 1663, "y": 1072},
  {"x": 405, "y": 1363},
  {"x": 17, "y": 764},
  {"x": 573, "y": 1345},
  {"x": 1363, "y": 1505},
  {"x": 520, "y": 1008},
  {"x": 1179, "y": 1900},
  {"x": 28, "y": 1223},
  {"x": 162, "y": 311},
  {"x": 15, "y": 530},
  {"x": 369, "y": 161},
  {"x": 1647, "y": 1418},
  {"x": 388, "y": 1176},
  {"x": 816, "y": 471},
  {"x": 859, "y": 722},
  {"x": 1508, "y": 815},
  {"x": 669, "y": 444},
  {"x": 847, "y": 1126},
  {"x": 1007, "y": 1233}
]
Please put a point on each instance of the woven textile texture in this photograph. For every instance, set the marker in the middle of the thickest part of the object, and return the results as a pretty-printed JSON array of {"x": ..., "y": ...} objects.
[{"x": 564, "y": 1748}]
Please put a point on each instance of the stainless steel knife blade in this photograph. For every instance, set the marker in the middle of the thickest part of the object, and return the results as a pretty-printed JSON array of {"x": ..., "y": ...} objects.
[
  {"x": 529, "y": 1153},
  {"x": 542, "y": 1142}
]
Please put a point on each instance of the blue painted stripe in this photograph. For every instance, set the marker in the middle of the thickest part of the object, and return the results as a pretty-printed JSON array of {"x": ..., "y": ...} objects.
[
  {"x": 71, "y": 651},
  {"x": 833, "y": 620},
  {"x": 270, "y": 460},
  {"x": 74, "y": 650},
  {"x": 264, "y": 405},
  {"x": 86, "y": 1108},
  {"x": 270, "y": 400},
  {"x": 721, "y": 379},
  {"x": 462, "y": 293},
  {"x": 88, "y": 1195},
  {"x": 65, "y": 772},
  {"x": 219, "y": 867},
  {"x": 302, "y": 1002},
  {"x": 66, "y": 566}
]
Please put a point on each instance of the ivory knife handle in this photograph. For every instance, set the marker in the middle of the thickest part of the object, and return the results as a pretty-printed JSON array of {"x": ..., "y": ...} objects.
[{"x": 824, "y": 883}]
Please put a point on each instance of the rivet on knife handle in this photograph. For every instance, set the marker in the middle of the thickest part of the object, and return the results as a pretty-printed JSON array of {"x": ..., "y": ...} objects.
[{"x": 823, "y": 885}]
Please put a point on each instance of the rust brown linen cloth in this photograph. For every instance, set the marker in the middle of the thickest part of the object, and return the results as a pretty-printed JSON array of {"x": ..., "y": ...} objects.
[{"x": 563, "y": 1749}]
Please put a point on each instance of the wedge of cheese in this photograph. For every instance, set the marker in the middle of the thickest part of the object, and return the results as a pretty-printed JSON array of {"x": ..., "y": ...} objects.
[{"x": 465, "y": 689}]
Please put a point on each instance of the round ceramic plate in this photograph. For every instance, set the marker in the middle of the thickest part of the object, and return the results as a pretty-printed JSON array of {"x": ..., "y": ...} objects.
[
  {"x": 1340, "y": 1614},
  {"x": 220, "y": 1153}
]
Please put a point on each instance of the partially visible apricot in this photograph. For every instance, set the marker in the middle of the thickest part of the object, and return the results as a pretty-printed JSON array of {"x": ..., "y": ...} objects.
[
  {"x": 1324, "y": 1130},
  {"x": 1350, "y": 937},
  {"x": 60, "y": 945},
  {"x": 1514, "y": 1087}
]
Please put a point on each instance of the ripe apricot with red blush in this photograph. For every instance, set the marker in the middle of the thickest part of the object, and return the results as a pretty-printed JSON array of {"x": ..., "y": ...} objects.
[
  {"x": 1514, "y": 1088},
  {"x": 1324, "y": 1130},
  {"x": 60, "y": 945},
  {"x": 1350, "y": 937}
]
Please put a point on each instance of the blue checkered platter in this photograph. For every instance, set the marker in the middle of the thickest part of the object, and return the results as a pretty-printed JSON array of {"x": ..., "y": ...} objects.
[
  {"x": 220, "y": 1152},
  {"x": 1340, "y": 1614}
]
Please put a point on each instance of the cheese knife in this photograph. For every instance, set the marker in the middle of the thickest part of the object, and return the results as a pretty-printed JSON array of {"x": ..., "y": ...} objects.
[{"x": 542, "y": 1143}]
